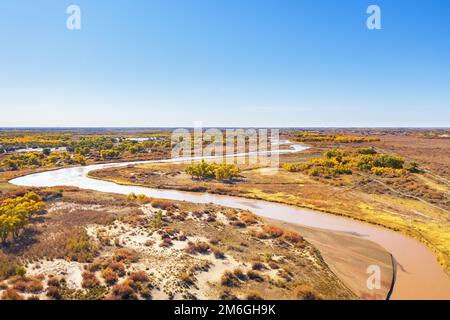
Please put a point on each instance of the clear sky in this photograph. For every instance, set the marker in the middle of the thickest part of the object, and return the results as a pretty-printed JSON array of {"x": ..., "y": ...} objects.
[{"x": 225, "y": 63}]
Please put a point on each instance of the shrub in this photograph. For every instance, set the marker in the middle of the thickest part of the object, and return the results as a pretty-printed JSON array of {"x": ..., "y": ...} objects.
[
  {"x": 34, "y": 286},
  {"x": 110, "y": 276},
  {"x": 20, "y": 286},
  {"x": 248, "y": 218},
  {"x": 54, "y": 293},
  {"x": 229, "y": 279},
  {"x": 8, "y": 266},
  {"x": 54, "y": 282},
  {"x": 387, "y": 172},
  {"x": 126, "y": 255},
  {"x": 258, "y": 266},
  {"x": 304, "y": 292},
  {"x": 238, "y": 224},
  {"x": 139, "y": 276},
  {"x": 109, "y": 154},
  {"x": 123, "y": 291},
  {"x": 414, "y": 167},
  {"x": 94, "y": 266},
  {"x": 272, "y": 231},
  {"x": 198, "y": 247},
  {"x": 370, "y": 151},
  {"x": 292, "y": 237},
  {"x": 227, "y": 295},
  {"x": 166, "y": 242},
  {"x": 219, "y": 254},
  {"x": 117, "y": 267},
  {"x": 185, "y": 278},
  {"x": 162, "y": 204},
  {"x": 254, "y": 296},
  {"x": 239, "y": 274},
  {"x": 89, "y": 280},
  {"x": 80, "y": 248},
  {"x": 292, "y": 167},
  {"x": 253, "y": 275},
  {"x": 388, "y": 161},
  {"x": 143, "y": 199},
  {"x": 11, "y": 294},
  {"x": 20, "y": 271}
]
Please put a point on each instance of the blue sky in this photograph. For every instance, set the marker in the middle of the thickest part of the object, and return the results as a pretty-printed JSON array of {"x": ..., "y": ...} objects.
[{"x": 225, "y": 63}]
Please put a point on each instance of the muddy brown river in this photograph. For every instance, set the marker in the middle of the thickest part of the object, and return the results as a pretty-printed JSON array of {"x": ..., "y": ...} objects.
[{"x": 419, "y": 276}]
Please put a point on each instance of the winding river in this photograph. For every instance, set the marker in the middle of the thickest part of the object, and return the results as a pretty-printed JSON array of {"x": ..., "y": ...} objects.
[{"x": 419, "y": 276}]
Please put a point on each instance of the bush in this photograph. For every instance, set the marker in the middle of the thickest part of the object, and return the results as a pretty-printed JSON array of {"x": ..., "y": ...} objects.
[
  {"x": 80, "y": 248},
  {"x": 139, "y": 276},
  {"x": 198, "y": 247},
  {"x": 388, "y": 161},
  {"x": 304, "y": 292},
  {"x": 254, "y": 296},
  {"x": 20, "y": 286},
  {"x": 109, "y": 154},
  {"x": 54, "y": 293},
  {"x": 370, "y": 151},
  {"x": 166, "y": 242},
  {"x": 162, "y": 204},
  {"x": 292, "y": 237},
  {"x": 229, "y": 280},
  {"x": 89, "y": 280},
  {"x": 8, "y": 266},
  {"x": 186, "y": 279},
  {"x": 34, "y": 286},
  {"x": 126, "y": 255},
  {"x": 20, "y": 271},
  {"x": 219, "y": 254},
  {"x": 248, "y": 218},
  {"x": 123, "y": 291},
  {"x": 117, "y": 267},
  {"x": 272, "y": 231},
  {"x": 239, "y": 274},
  {"x": 94, "y": 266},
  {"x": 387, "y": 172},
  {"x": 292, "y": 167},
  {"x": 110, "y": 276},
  {"x": 253, "y": 275},
  {"x": 54, "y": 282},
  {"x": 258, "y": 266},
  {"x": 11, "y": 294}
]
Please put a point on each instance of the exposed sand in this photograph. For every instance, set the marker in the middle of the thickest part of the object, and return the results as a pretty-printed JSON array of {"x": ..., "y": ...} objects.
[{"x": 349, "y": 256}]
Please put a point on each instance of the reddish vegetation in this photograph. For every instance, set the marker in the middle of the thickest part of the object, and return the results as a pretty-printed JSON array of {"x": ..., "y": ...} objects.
[
  {"x": 110, "y": 276},
  {"x": 89, "y": 280},
  {"x": 126, "y": 256},
  {"x": 139, "y": 276},
  {"x": 123, "y": 291},
  {"x": 162, "y": 204},
  {"x": 198, "y": 247},
  {"x": 272, "y": 231},
  {"x": 11, "y": 294},
  {"x": 248, "y": 218},
  {"x": 292, "y": 236}
]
